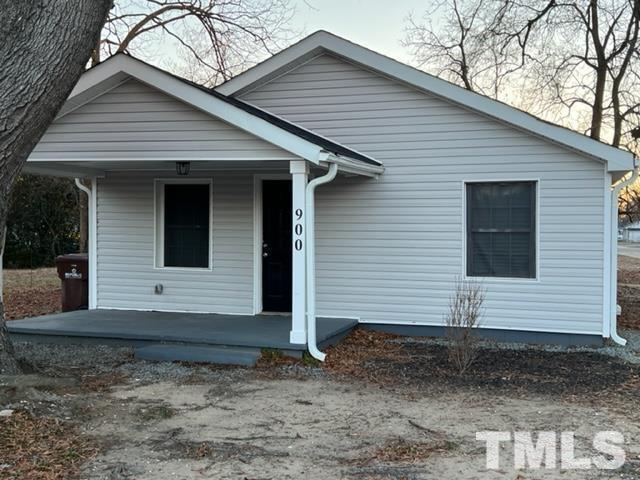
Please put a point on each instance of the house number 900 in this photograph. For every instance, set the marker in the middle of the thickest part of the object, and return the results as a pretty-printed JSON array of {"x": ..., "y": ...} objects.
[{"x": 298, "y": 230}]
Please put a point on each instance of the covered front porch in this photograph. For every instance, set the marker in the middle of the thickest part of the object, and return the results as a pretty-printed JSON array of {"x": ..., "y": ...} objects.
[{"x": 198, "y": 203}]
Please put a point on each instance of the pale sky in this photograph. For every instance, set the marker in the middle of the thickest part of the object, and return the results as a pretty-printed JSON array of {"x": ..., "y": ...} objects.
[{"x": 375, "y": 24}]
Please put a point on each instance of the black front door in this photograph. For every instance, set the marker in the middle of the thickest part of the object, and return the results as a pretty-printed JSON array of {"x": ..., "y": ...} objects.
[{"x": 276, "y": 245}]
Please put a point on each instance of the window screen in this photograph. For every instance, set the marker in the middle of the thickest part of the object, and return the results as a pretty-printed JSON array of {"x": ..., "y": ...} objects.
[
  {"x": 501, "y": 229},
  {"x": 186, "y": 225}
]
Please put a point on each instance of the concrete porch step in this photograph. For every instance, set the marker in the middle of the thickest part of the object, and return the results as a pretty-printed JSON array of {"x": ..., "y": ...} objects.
[{"x": 199, "y": 353}]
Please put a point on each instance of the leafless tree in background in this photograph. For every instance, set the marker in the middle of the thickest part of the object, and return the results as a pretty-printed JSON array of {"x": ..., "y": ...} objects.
[
  {"x": 44, "y": 48},
  {"x": 212, "y": 39},
  {"x": 572, "y": 62}
]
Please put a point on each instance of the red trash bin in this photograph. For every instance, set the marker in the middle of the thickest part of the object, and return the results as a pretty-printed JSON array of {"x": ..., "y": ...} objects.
[{"x": 73, "y": 271}]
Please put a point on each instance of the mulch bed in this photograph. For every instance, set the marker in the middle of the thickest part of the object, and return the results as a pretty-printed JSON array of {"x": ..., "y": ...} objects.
[
  {"x": 40, "y": 448},
  {"x": 383, "y": 359}
]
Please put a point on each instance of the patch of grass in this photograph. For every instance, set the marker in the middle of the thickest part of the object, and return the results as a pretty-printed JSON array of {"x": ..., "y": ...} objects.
[
  {"x": 41, "y": 448},
  {"x": 271, "y": 354},
  {"x": 155, "y": 412},
  {"x": 309, "y": 361},
  {"x": 273, "y": 358}
]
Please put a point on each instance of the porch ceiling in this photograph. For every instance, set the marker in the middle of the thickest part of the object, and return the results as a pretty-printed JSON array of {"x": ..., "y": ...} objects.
[{"x": 100, "y": 168}]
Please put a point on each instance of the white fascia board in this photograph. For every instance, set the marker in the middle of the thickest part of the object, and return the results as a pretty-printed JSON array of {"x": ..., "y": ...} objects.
[
  {"x": 46, "y": 168},
  {"x": 617, "y": 159},
  {"x": 198, "y": 99}
]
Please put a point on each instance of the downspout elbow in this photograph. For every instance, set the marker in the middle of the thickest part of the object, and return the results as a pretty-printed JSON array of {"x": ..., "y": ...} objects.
[
  {"x": 83, "y": 187},
  {"x": 312, "y": 342}
]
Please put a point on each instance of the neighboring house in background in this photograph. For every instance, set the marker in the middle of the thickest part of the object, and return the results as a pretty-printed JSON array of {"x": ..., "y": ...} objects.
[
  {"x": 432, "y": 183},
  {"x": 630, "y": 232}
]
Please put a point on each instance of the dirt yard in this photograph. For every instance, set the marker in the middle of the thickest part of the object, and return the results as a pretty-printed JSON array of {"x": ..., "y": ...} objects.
[{"x": 381, "y": 407}]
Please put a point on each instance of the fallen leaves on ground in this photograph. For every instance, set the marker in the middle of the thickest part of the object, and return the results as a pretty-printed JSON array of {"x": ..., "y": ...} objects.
[
  {"x": 350, "y": 357},
  {"x": 40, "y": 448},
  {"x": 402, "y": 450},
  {"x": 30, "y": 293},
  {"x": 388, "y": 360},
  {"x": 629, "y": 292},
  {"x": 628, "y": 270}
]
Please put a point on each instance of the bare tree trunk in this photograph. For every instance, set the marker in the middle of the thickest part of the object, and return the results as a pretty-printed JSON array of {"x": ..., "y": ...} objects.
[
  {"x": 44, "y": 48},
  {"x": 601, "y": 73}
]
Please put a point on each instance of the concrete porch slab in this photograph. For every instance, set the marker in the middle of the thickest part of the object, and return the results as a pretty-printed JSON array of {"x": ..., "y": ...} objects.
[{"x": 139, "y": 328}]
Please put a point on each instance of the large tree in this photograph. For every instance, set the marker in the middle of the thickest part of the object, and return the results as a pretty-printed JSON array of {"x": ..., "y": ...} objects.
[
  {"x": 574, "y": 61},
  {"x": 44, "y": 48}
]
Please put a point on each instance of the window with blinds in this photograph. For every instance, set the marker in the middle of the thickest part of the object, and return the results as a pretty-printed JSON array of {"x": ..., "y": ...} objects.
[
  {"x": 186, "y": 225},
  {"x": 501, "y": 236}
]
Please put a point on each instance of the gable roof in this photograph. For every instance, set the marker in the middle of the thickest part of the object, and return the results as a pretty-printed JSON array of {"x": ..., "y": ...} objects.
[
  {"x": 286, "y": 135},
  {"x": 323, "y": 42}
]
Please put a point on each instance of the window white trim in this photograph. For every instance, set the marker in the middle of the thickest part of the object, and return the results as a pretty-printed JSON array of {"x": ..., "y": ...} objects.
[
  {"x": 481, "y": 179},
  {"x": 158, "y": 221},
  {"x": 257, "y": 234}
]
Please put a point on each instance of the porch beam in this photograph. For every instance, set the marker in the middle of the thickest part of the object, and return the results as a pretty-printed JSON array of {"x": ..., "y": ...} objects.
[{"x": 299, "y": 170}]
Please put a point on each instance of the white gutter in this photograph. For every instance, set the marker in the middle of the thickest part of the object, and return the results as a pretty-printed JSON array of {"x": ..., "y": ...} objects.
[
  {"x": 312, "y": 342},
  {"x": 613, "y": 281}
]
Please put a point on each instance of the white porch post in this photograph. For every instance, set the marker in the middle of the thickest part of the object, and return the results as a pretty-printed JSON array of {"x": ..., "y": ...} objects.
[{"x": 299, "y": 176}]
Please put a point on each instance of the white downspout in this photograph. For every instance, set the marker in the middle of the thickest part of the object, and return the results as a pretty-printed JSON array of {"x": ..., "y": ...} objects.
[
  {"x": 613, "y": 281},
  {"x": 312, "y": 343},
  {"x": 90, "y": 251},
  {"x": 83, "y": 187}
]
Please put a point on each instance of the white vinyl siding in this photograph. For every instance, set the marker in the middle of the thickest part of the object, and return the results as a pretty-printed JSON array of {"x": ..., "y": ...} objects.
[
  {"x": 136, "y": 122},
  {"x": 126, "y": 264},
  {"x": 389, "y": 249}
]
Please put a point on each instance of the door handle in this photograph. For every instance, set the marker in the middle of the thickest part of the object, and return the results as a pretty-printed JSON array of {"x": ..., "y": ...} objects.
[
  {"x": 265, "y": 254},
  {"x": 264, "y": 250}
]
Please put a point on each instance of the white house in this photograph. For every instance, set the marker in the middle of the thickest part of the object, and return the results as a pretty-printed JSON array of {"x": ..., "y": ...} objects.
[{"x": 413, "y": 182}]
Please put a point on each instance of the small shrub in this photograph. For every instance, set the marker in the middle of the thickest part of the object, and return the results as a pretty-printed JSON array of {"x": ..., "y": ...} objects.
[{"x": 464, "y": 316}]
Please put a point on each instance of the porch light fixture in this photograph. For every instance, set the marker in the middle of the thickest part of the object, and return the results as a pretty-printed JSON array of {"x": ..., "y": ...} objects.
[{"x": 182, "y": 168}]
